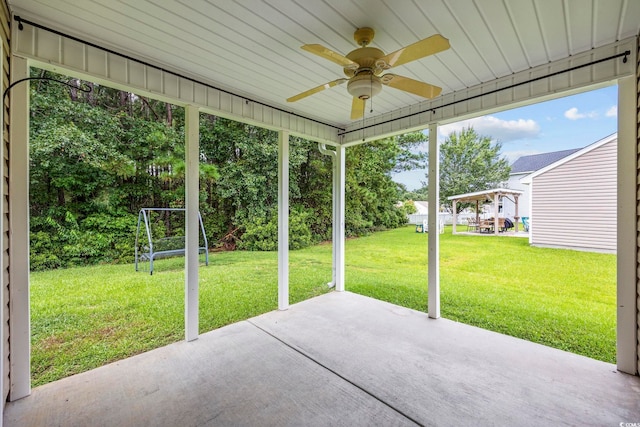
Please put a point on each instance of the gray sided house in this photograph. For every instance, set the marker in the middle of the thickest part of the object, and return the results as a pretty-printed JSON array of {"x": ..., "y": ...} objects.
[
  {"x": 573, "y": 200},
  {"x": 521, "y": 169}
]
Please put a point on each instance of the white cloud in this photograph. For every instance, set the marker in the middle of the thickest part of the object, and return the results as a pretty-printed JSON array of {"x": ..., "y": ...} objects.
[
  {"x": 495, "y": 128},
  {"x": 573, "y": 114},
  {"x": 612, "y": 112}
]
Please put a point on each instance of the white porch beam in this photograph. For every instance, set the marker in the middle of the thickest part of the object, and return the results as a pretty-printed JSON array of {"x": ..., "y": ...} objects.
[
  {"x": 192, "y": 232},
  {"x": 339, "y": 243},
  {"x": 473, "y": 103},
  {"x": 434, "y": 232},
  {"x": 61, "y": 54},
  {"x": 627, "y": 251},
  {"x": 283, "y": 220},
  {"x": 19, "y": 313}
]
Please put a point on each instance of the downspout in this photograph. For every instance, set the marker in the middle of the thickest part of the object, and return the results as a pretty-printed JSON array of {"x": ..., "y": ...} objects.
[{"x": 334, "y": 233}]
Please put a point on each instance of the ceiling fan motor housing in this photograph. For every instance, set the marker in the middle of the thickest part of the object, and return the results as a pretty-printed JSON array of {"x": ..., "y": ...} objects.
[{"x": 365, "y": 57}]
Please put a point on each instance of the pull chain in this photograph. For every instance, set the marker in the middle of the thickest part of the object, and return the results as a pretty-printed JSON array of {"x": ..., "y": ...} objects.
[
  {"x": 371, "y": 91},
  {"x": 363, "y": 109}
]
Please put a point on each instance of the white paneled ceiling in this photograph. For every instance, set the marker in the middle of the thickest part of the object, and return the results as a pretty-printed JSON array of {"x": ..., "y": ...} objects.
[{"x": 252, "y": 47}]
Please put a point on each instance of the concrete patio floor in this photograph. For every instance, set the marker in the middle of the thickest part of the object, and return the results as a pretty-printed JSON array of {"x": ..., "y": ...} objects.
[{"x": 340, "y": 359}]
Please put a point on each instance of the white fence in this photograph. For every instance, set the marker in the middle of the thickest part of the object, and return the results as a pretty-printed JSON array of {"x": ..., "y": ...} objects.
[{"x": 445, "y": 218}]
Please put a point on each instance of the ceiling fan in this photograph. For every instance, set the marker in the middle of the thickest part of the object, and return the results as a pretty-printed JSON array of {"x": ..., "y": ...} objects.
[{"x": 364, "y": 66}]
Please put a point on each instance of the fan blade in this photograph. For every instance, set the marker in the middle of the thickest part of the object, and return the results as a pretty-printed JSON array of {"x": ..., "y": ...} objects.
[
  {"x": 417, "y": 50},
  {"x": 412, "y": 86},
  {"x": 316, "y": 90},
  {"x": 326, "y": 53},
  {"x": 357, "y": 108}
]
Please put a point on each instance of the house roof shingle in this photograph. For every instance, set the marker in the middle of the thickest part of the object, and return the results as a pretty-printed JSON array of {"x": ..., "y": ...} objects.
[{"x": 534, "y": 162}]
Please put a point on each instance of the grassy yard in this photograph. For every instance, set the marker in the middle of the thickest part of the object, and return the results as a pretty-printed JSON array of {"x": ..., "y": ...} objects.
[{"x": 85, "y": 317}]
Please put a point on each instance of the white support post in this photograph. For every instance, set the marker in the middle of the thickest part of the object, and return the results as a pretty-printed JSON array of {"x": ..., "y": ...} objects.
[
  {"x": 627, "y": 252},
  {"x": 455, "y": 216},
  {"x": 335, "y": 188},
  {"x": 477, "y": 213},
  {"x": 283, "y": 220},
  {"x": 434, "y": 235},
  {"x": 517, "y": 215},
  {"x": 19, "y": 314},
  {"x": 531, "y": 213},
  {"x": 496, "y": 212},
  {"x": 3, "y": 243},
  {"x": 192, "y": 228},
  {"x": 338, "y": 222}
]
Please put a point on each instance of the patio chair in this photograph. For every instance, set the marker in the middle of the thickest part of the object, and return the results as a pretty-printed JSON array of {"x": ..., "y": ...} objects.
[
  {"x": 472, "y": 224},
  {"x": 525, "y": 223}
]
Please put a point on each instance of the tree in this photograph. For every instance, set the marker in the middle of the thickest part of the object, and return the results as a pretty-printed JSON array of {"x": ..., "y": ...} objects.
[
  {"x": 470, "y": 162},
  {"x": 371, "y": 193},
  {"x": 91, "y": 161},
  {"x": 421, "y": 194},
  {"x": 98, "y": 157}
]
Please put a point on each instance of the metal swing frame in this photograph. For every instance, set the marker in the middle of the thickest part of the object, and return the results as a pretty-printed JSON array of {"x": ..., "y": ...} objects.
[{"x": 148, "y": 252}]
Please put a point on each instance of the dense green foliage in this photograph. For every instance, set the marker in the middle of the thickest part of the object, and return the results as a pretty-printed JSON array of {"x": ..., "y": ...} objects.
[
  {"x": 419, "y": 194},
  {"x": 85, "y": 317},
  {"x": 98, "y": 157},
  {"x": 470, "y": 162}
]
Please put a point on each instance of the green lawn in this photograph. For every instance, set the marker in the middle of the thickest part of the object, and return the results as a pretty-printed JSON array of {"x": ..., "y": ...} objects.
[{"x": 85, "y": 317}]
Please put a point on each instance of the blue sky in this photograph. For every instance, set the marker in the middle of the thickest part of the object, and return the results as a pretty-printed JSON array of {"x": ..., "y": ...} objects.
[{"x": 569, "y": 122}]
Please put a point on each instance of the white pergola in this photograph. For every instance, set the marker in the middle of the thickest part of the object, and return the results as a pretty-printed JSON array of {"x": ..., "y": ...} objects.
[
  {"x": 241, "y": 59},
  {"x": 494, "y": 195}
]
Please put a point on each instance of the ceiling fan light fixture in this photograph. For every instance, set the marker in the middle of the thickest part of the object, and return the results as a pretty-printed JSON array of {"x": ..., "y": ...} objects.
[{"x": 364, "y": 86}]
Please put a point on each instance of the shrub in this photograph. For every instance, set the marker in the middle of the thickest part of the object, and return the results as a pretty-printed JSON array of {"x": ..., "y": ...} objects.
[
  {"x": 68, "y": 242},
  {"x": 261, "y": 235}
]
